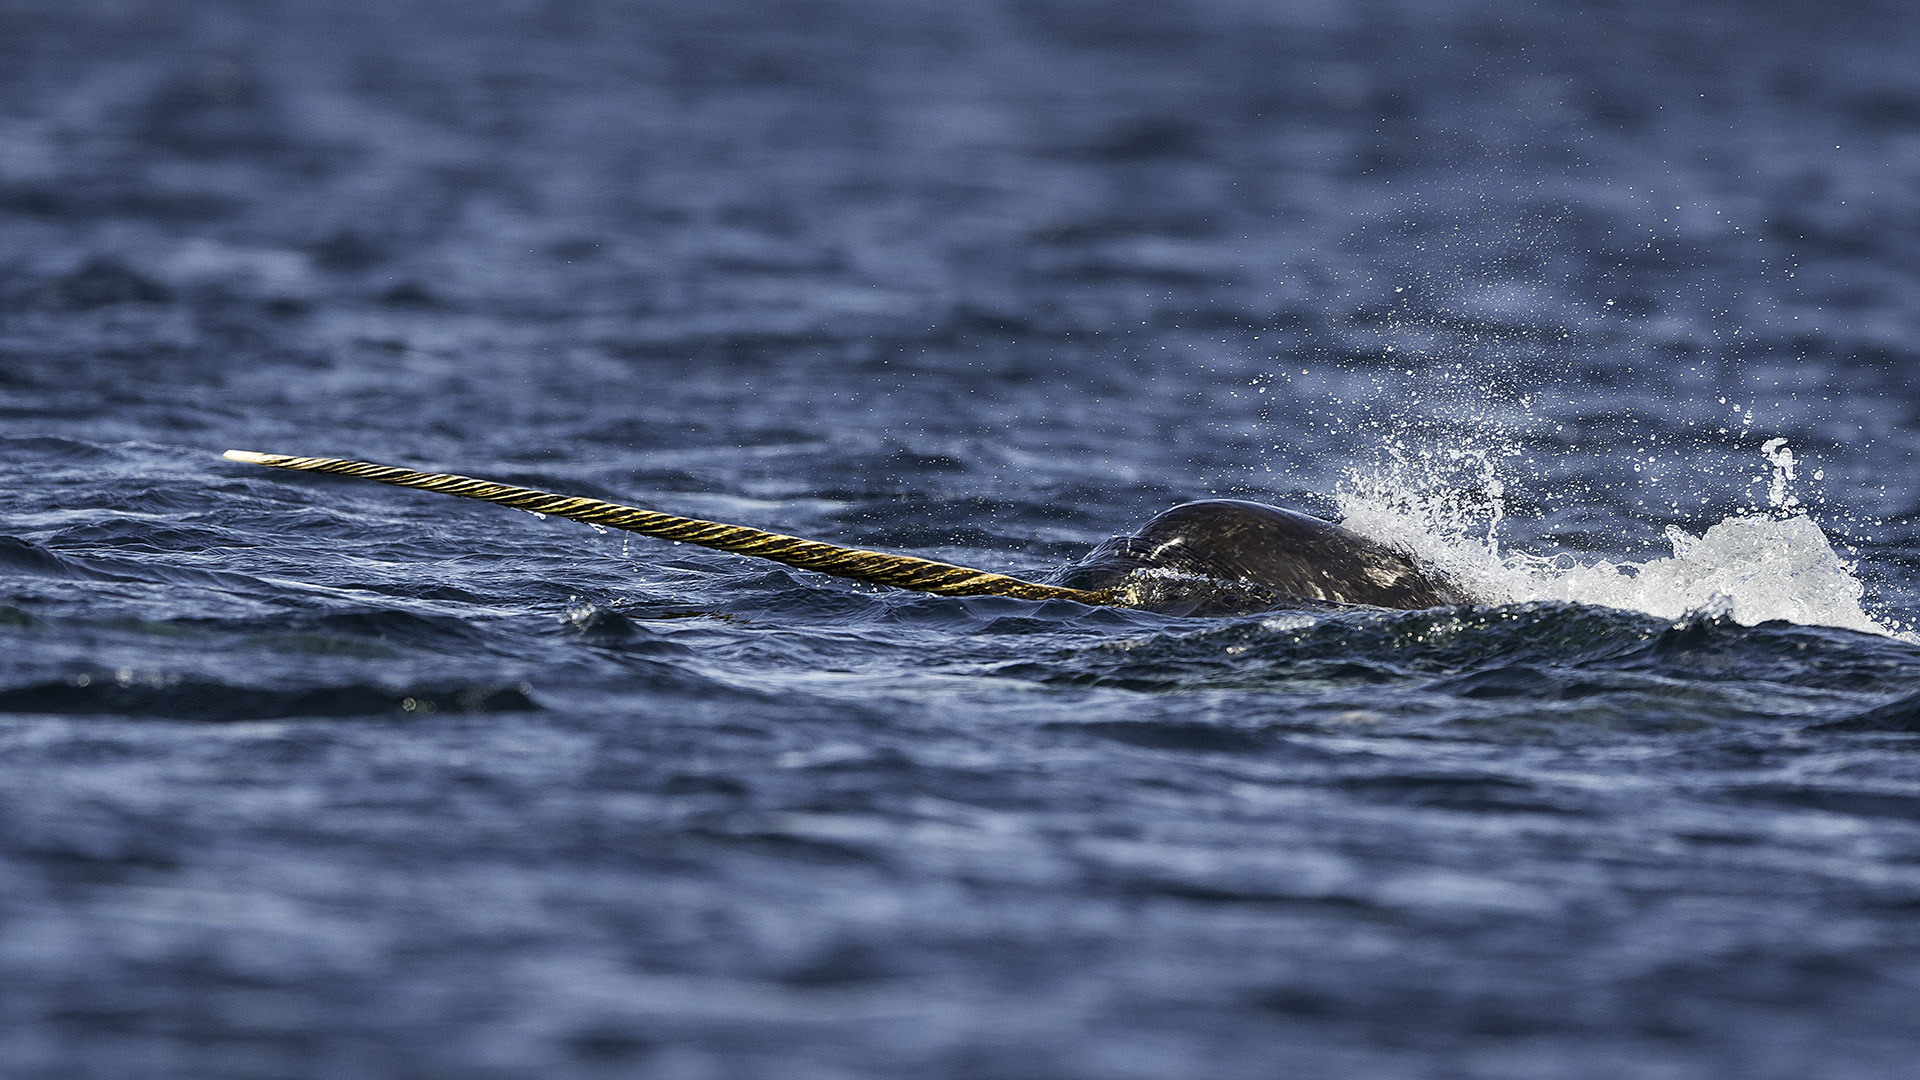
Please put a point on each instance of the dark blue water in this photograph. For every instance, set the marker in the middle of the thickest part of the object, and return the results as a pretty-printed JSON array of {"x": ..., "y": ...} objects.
[{"x": 308, "y": 777}]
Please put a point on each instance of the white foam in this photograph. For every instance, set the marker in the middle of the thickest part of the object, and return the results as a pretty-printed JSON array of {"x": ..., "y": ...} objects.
[{"x": 1446, "y": 506}]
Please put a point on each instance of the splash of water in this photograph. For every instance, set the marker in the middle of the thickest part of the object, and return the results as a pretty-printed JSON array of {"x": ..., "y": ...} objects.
[
  {"x": 1785, "y": 470},
  {"x": 1445, "y": 507}
]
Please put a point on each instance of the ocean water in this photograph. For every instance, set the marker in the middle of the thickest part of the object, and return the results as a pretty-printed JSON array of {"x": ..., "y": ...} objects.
[{"x": 1609, "y": 314}]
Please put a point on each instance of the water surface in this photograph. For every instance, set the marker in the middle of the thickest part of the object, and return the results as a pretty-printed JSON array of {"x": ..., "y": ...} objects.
[{"x": 308, "y": 777}]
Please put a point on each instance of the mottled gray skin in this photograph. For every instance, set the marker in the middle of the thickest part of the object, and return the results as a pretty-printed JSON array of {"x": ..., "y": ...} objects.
[{"x": 1297, "y": 557}]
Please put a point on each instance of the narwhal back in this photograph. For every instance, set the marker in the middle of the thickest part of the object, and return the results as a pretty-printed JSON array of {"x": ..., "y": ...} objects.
[{"x": 1266, "y": 546}]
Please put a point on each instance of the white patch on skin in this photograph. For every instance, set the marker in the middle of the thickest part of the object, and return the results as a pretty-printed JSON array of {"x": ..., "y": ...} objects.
[
  {"x": 1168, "y": 546},
  {"x": 1382, "y": 574}
]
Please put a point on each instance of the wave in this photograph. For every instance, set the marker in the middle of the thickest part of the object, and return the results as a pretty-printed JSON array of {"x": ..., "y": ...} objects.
[
  {"x": 214, "y": 700},
  {"x": 1448, "y": 505}
]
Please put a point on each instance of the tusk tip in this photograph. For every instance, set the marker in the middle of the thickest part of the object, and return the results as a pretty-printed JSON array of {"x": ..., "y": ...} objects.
[{"x": 250, "y": 457}]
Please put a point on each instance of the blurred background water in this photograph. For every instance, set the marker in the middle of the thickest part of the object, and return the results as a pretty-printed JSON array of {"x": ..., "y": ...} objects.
[{"x": 1607, "y": 311}]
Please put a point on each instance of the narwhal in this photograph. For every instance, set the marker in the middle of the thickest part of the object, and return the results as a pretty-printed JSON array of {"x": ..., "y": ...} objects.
[{"x": 1216, "y": 556}]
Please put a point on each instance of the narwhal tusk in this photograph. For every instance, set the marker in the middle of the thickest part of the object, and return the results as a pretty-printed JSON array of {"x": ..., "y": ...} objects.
[{"x": 872, "y": 567}]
